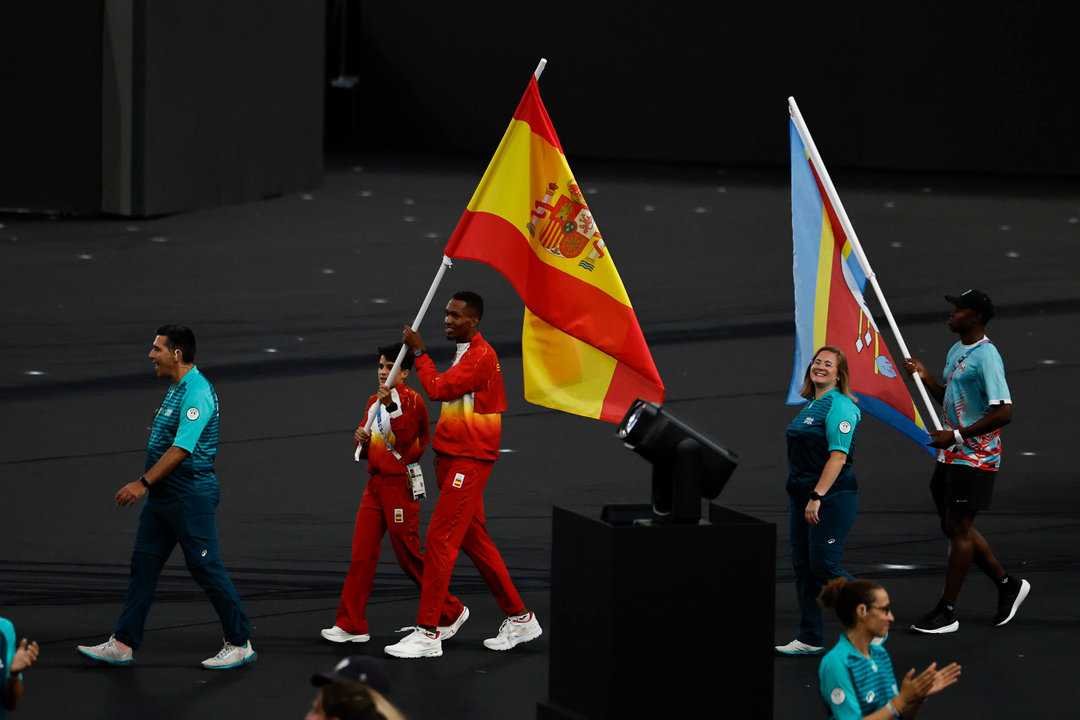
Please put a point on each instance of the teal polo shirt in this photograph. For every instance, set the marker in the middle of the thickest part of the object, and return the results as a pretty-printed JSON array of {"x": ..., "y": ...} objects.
[
  {"x": 822, "y": 425},
  {"x": 852, "y": 685},
  {"x": 188, "y": 419},
  {"x": 8, "y": 645}
]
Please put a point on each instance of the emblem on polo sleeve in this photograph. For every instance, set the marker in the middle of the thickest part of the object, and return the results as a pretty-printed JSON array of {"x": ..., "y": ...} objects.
[
  {"x": 837, "y": 696},
  {"x": 193, "y": 413},
  {"x": 845, "y": 426}
]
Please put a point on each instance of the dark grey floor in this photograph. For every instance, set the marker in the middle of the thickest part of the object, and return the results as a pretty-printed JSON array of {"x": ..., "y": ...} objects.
[{"x": 290, "y": 295}]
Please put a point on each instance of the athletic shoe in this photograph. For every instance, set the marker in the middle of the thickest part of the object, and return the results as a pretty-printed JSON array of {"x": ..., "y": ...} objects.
[
  {"x": 336, "y": 634},
  {"x": 108, "y": 652},
  {"x": 420, "y": 643},
  {"x": 939, "y": 620},
  {"x": 1010, "y": 598},
  {"x": 230, "y": 656},
  {"x": 448, "y": 631},
  {"x": 797, "y": 647},
  {"x": 514, "y": 631}
]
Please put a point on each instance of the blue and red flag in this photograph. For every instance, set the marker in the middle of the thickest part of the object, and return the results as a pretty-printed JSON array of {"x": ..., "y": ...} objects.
[{"x": 830, "y": 308}]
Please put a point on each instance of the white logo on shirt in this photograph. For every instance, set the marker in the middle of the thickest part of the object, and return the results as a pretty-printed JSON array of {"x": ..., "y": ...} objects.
[
  {"x": 193, "y": 413},
  {"x": 845, "y": 427},
  {"x": 808, "y": 421},
  {"x": 837, "y": 696},
  {"x": 869, "y": 697}
]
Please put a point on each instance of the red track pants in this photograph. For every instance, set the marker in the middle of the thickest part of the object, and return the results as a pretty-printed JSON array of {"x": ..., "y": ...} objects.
[
  {"x": 387, "y": 504},
  {"x": 458, "y": 524}
]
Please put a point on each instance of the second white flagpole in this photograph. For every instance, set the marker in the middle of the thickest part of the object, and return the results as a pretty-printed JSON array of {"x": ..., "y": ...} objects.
[{"x": 849, "y": 230}]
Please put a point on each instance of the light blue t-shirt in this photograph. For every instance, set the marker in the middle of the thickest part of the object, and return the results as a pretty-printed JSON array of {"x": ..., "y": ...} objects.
[
  {"x": 974, "y": 384},
  {"x": 852, "y": 685}
]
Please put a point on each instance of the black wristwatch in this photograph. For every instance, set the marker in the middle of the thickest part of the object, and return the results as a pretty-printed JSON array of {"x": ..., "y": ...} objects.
[
  {"x": 418, "y": 353},
  {"x": 815, "y": 496},
  {"x": 143, "y": 481}
]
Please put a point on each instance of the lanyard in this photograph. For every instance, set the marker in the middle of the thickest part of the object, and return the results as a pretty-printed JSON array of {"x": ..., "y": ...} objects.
[
  {"x": 385, "y": 432},
  {"x": 963, "y": 357}
]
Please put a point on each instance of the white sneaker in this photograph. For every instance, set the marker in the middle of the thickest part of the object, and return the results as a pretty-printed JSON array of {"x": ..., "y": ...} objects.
[
  {"x": 795, "y": 647},
  {"x": 448, "y": 631},
  {"x": 515, "y": 631},
  {"x": 420, "y": 643},
  {"x": 336, "y": 634},
  {"x": 108, "y": 652},
  {"x": 230, "y": 656}
]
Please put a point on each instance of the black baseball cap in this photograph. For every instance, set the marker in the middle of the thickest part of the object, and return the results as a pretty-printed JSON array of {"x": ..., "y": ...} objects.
[
  {"x": 361, "y": 668},
  {"x": 975, "y": 300}
]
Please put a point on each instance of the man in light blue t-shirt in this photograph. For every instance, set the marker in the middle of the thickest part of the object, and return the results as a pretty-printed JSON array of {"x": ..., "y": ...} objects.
[
  {"x": 975, "y": 405},
  {"x": 182, "y": 495}
]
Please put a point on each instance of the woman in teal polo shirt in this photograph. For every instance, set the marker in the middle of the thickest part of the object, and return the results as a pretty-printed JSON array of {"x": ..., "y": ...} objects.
[
  {"x": 822, "y": 493},
  {"x": 856, "y": 677}
]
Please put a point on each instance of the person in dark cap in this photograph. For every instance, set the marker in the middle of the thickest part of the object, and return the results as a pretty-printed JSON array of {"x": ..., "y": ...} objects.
[
  {"x": 975, "y": 405},
  {"x": 360, "y": 668},
  {"x": 354, "y": 690}
]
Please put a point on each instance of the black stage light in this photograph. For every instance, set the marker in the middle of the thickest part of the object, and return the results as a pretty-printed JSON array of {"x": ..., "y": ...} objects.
[{"x": 687, "y": 465}]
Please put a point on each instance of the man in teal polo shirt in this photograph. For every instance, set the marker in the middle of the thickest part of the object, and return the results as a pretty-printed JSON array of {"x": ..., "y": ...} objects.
[{"x": 182, "y": 498}]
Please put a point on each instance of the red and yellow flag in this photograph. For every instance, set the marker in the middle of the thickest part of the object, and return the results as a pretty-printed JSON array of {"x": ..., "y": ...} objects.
[{"x": 582, "y": 347}]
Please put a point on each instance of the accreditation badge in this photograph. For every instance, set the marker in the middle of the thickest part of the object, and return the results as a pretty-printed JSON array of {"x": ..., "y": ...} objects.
[{"x": 416, "y": 481}]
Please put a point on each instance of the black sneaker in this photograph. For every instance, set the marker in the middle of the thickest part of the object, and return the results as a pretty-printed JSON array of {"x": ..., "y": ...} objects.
[
  {"x": 1010, "y": 598},
  {"x": 939, "y": 620}
]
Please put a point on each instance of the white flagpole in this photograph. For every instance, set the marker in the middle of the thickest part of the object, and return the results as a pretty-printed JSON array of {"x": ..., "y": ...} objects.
[
  {"x": 446, "y": 263},
  {"x": 845, "y": 223}
]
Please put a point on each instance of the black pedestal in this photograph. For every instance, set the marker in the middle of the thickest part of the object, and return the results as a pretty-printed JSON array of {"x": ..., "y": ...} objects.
[{"x": 660, "y": 620}]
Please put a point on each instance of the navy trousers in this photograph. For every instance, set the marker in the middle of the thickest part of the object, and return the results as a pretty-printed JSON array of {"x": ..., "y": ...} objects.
[
  {"x": 190, "y": 522},
  {"x": 815, "y": 555}
]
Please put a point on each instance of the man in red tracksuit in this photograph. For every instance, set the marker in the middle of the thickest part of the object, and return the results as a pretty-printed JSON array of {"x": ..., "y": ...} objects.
[
  {"x": 466, "y": 446},
  {"x": 397, "y": 438}
]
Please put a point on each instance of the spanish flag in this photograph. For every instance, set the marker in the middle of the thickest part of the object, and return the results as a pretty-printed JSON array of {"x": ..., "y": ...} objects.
[
  {"x": 830, "y": 308},
  {"x": 582, "y": 347}
]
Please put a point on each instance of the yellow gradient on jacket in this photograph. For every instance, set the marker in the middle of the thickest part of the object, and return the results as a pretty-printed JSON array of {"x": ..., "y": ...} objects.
[
  {"x": 509, "y": 190},
  {"x": 462, "y": 427},
  {"x": 565, "y": 373}
]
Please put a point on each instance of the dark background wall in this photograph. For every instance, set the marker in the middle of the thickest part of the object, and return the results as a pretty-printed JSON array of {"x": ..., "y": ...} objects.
[
  {"x": 147, "y": 108},
  {"x": 232, "y": 107},
  {"x": 234, "y": 101},
  {"x": 50, "y": 105},
  {"x": 950, "y": 86}
]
